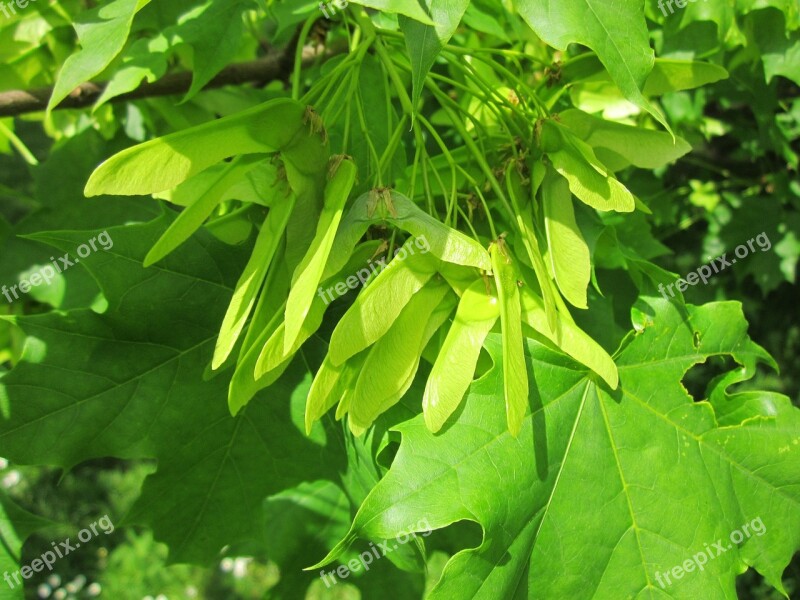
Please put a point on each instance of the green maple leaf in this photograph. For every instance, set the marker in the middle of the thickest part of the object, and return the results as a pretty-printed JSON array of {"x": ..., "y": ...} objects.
[
  {"x": 616, "y": 31},
  {"x": 129, "y": 383},
  {"x": 603, "y": 492}
]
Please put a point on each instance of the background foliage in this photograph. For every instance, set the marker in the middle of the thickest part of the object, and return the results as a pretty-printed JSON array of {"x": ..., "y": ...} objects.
[{"x": 483, "y": 118}]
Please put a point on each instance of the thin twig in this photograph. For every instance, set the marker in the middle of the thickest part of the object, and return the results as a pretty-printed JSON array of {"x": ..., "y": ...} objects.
[{"x": 275, "y": 66}]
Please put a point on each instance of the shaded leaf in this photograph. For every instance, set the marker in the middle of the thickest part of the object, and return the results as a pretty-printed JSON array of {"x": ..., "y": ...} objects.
[{"x": 129, "y": 384}]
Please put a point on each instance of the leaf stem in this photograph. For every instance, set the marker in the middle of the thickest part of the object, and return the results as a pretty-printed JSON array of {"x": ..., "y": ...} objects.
[
  {"x": 18, "y": 144},
  {"x": 366, "y": 25},
  {"x": 298, "y": 55},
  {"x": 450, "y": 161},
  {"x": 391, "y": 147},
  {"x": 488, "y": 213},
  {"x": 476, "y": 153}
]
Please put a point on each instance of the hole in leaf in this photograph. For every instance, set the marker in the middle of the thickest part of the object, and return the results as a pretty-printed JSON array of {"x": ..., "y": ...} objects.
[
  {"x": 457, "y": 536},
  {"x": 698, "y": 378},
  {"x": 485, "y": 364}
]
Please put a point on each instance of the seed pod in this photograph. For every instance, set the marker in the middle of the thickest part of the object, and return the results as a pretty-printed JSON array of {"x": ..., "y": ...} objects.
[
  {"x": 273, "y": 353},
  {"x": 393, "y": 361},
  {"x": 308, "y": 273},
  {"x": 377, "y": 307},
  {"x": 573, "y": 340},
  {"x": 163, "y": 163},
  {"x": 195, "y": 214},
  {"x": 266, "y": 317},
  {"x": 251, "y": 280},
  {"x": 588, "y": 178},
  {"x": 515, "y": 373},
  {"x": 454, "y": 368},
  {"x": 568, "y": 251},
  {"x": 530, "y": 241},
  {"x": 388, "y": 206}
]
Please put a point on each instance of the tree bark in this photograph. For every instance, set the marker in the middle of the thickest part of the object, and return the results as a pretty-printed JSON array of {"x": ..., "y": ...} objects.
[{"x": 276, "y": 65}]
